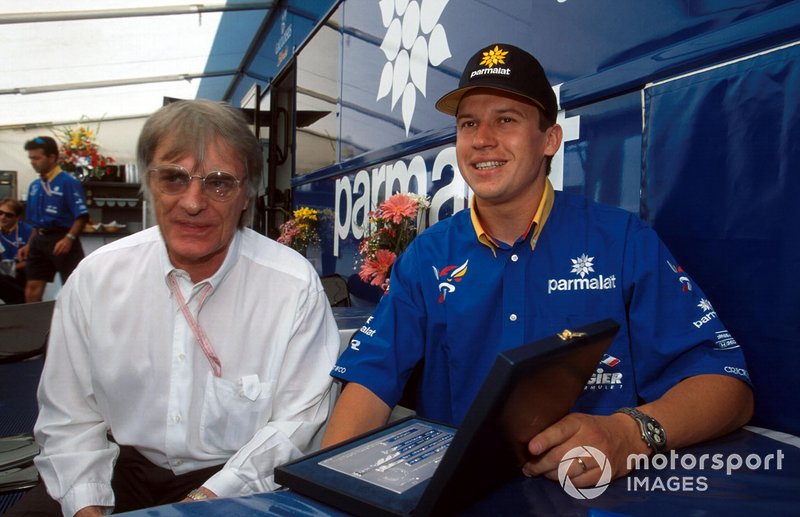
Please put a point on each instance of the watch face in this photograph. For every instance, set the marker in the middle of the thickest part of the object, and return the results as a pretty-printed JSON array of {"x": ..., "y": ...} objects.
[
  {"x": 656, "y": 433},
  {"x": 652, "y": 432}
]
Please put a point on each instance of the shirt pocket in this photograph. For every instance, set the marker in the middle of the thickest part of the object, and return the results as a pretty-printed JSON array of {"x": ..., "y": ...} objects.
[{"x": 233, "y": 411}]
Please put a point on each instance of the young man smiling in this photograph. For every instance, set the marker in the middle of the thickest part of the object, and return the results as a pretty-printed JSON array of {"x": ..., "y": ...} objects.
[{"x": 518, "y": 237}]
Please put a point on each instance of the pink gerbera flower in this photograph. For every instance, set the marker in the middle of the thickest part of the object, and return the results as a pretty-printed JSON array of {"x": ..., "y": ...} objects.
[
  {"x": 397, "y": 207},
  {"x": 375, "y": 270}
]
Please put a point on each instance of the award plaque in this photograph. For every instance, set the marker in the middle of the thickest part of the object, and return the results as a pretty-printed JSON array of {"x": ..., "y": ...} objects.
[{"x": 415, "y": 466}]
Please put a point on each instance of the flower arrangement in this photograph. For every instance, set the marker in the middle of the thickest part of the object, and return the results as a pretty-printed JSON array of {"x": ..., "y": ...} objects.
[
  {"x": 302, "y": 230},
  {"x": 392, "y": 227},
  {"x": 79, "y": 150}
]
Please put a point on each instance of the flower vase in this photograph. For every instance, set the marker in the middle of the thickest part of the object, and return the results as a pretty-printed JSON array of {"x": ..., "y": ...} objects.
[{"x": 313, "y": 253}]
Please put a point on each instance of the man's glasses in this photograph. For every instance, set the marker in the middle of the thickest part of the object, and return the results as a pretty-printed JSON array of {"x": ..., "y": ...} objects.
[
  {"x": 3, "y": 213},
  {"x": 174, "y": 180}
]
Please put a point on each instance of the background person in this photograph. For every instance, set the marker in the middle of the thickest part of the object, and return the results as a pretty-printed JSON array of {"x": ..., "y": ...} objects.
[
  {"x": 187, "y": 360},
  {"x": 56, "y": 208},
  {"x": 14, "y": 234},
  {"x": 516, "y": 251}
]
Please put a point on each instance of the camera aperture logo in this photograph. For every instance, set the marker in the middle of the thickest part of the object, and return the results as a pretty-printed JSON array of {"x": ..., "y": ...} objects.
[{"x": 573, "y": 455}]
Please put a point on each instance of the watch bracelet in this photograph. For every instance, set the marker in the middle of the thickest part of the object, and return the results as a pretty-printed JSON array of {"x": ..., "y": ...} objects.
[{"x": 641, "y": 420}]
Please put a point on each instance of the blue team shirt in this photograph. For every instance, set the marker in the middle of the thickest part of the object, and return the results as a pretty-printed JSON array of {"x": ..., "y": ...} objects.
[
  {"x": 457, "y": 303},
  {"x": 15, "y": 239},
  {"x": 60, "y": 207}
]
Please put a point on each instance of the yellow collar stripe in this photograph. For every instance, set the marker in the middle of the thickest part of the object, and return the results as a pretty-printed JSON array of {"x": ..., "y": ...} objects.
[{"x": 539, "y": 218}]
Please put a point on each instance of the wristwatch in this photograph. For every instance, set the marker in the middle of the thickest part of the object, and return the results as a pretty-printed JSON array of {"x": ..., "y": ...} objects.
[
  {"x": 652, "y": 433},
  {"x": 70, "y": 237},
  {"x": 197, "y": 495}
]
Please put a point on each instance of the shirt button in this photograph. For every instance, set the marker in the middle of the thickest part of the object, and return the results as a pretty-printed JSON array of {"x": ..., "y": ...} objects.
[
  {"x": 178, "y": 462},
  {"x": 513, "y": 317},
  {"x": 177, "y": 419},
  {"x": 514, "y": 257},
  {"x": 182, "y": 356}
]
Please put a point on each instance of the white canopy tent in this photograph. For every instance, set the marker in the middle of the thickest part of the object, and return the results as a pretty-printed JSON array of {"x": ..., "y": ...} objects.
[
  {"x": 112, "y": 62},
  {"x": 107, "y": 59}
]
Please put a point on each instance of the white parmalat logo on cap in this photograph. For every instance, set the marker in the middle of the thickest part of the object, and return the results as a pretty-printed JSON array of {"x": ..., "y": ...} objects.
[{"x": 492, "y": 71}]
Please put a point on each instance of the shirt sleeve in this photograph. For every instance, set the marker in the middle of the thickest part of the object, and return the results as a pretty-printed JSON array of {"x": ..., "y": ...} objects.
[
  {"x": 675, "y": 331},
  {"x": 301, "y": 404},
  {"x": 77, "y": 460},
  {"x": 76, "y": 199},
  {"x": 375, "y": 358}
]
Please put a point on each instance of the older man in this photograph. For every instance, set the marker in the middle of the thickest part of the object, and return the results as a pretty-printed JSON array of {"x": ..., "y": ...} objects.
[{"x": 187, "y": 360}]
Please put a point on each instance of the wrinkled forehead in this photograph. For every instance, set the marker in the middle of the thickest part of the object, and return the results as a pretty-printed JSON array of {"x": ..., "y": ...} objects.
[{"x": 199, "y": 149}]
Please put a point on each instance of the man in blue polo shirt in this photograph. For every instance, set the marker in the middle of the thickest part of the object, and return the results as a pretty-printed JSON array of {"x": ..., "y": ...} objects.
[
  {"x": 56, "y": 208},
  {"x": 14, "y": 234},
  {"x": 526, "y": 262}
]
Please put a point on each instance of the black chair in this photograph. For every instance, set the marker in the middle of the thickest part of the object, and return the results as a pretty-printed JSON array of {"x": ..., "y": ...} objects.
[
  {"x": 336, "y": 288},
  {"x": 24, "y": 329}
]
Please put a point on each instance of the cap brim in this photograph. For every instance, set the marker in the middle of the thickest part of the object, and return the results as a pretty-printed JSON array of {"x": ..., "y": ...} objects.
[{"x": 448, "y": 103}]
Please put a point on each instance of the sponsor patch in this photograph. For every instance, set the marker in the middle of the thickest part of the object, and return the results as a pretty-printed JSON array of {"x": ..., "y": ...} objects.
[
  {"x": 724, "y": 341},
  {"x": 735, "y": 370},
  {"x": 686, "y": 284},
  {"x": 448, "y": 277},
  {"x": 582, "y": 266},
  {"x": 603, "y": 380},
  {"x": 610, "y": 360},
  {"x": 708, "y": 313}
]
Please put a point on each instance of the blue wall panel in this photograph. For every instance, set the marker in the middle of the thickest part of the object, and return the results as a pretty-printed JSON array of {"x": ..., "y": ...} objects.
[{"x": 721, "y": 184}]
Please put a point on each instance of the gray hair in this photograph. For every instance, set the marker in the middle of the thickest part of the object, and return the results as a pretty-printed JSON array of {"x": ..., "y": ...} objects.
[{"x": 188, "y": 128}]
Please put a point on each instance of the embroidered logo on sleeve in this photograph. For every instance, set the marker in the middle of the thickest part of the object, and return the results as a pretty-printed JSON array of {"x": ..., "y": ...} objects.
[{"x": 682, "y": 277}]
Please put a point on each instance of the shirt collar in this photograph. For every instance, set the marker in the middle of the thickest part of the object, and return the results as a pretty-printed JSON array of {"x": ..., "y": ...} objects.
[
  {"x": 534, "y": 228},
  {"x": 214, "y": 280},
  {"x": 53, "y": 173}
]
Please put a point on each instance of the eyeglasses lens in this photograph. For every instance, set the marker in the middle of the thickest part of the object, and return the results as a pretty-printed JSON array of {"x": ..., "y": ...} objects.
[
  {"x": 221, "y": 184},
  {"x": 7, "y": 214},
  {"x": 175, "y": 180}
]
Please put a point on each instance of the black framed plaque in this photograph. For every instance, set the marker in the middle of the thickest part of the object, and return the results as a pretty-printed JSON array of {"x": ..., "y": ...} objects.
[{"x": 416, "y": 466}]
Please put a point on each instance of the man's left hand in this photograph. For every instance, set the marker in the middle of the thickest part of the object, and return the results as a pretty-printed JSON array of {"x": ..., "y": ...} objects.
[
  {"x": 208, "y": 493},
  {"x": 616, "y": 436}
]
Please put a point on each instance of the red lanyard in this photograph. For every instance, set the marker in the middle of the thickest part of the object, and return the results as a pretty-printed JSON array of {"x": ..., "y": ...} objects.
[
  {"x": 46, "y": 187},
  {"x": 197, "y": 330}
]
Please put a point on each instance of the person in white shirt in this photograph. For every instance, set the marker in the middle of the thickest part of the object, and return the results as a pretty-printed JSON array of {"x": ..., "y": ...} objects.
[{"x": 188, "y": 360}]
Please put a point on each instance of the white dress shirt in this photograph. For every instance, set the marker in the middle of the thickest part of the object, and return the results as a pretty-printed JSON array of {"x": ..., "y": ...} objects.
[{"x": 123, "y": 359}]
